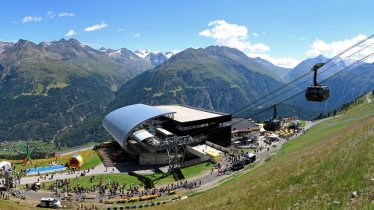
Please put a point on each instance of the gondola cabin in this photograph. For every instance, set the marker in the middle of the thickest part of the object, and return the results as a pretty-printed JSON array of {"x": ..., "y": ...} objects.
[
  {"x": 272, "y": 125},
  {"x": 317, "y": 93}
]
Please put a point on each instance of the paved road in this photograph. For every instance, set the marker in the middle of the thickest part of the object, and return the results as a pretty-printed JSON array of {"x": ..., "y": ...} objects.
[
  {"x": 100, "y": 169},
  {"x": 312, "y": 123}
]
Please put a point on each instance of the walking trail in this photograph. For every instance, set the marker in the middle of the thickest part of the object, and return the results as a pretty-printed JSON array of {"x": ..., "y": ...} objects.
[{"x": 368, "y": 97}]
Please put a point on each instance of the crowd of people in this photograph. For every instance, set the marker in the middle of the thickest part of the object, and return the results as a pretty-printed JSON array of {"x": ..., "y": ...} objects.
[{"x": 112, "y": 188}]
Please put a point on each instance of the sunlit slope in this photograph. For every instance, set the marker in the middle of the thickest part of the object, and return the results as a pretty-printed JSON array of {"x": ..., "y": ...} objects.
[{"x": 319, "y": 170}]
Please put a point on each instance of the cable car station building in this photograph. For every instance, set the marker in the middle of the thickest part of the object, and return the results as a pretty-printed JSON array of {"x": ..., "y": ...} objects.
[
  {"x": 244, "y": 129},
  {"x": 158, "y": 134}
]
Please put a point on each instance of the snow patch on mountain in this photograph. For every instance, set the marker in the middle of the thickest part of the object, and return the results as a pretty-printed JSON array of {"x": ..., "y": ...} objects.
[{"x": 142, "y": 53}]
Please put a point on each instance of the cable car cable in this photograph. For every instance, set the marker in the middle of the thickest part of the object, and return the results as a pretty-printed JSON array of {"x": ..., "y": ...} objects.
[
  {"x": 344, "y": 69},
  {"x": 305, "y": 74},
  {"x": 303, "y": 82},
  {"x": 320, "y": 73}
]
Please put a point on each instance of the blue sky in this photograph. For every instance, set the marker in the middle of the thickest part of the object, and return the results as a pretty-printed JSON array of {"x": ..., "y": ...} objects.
[{"x": 284, "y": 32}]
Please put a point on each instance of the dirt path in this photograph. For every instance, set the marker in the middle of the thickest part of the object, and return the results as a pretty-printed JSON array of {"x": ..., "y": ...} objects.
[{"x": 368, "y": 98}]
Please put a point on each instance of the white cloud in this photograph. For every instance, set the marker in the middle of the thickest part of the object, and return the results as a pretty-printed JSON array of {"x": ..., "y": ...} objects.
[
  {"x": 286, "y": 62},
  {"x": 69, "y": 14},
  {"x": 236, "y": 36},
  {"x": 93, "y": 45},
  {"x": 137, "y": 34},
  {"x": 232, "y": 35},
  {"x": 259, "y": 47},
  {"x": 70, "y": 33},
  {"x": 51, "y": 14},
  {"x": 28, "y": 19},
  {"x": 335, "y": 47},
  {"x": 96, "y": 27},
  {"x": 299, "y": 38},
  {"x": 121, "y": 29}
]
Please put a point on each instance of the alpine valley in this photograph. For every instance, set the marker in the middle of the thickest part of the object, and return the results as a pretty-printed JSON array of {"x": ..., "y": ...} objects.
[{"x": 59, "y": 91}]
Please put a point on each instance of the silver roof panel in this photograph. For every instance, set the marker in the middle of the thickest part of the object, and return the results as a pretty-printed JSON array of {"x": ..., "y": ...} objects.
[{"x": 121, "y": 122}]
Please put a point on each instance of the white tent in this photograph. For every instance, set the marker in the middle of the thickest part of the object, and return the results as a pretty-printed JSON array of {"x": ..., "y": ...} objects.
[
  {"x": 5, "y": 164},
  {"x": 273, "y": 136}
]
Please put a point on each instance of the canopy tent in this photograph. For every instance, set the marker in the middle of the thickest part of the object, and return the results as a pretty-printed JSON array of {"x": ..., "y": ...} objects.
[
  {"x": 75, "y": 161},
  {"x": 5, "y": 164},
  {"x": 261, "y": 127},
  {"x": 296, "y": 122},
  {"x": 273, "y": 136}
]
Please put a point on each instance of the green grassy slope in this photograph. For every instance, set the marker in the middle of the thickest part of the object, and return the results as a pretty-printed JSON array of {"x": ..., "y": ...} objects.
[{"x": 319, "y": 170}]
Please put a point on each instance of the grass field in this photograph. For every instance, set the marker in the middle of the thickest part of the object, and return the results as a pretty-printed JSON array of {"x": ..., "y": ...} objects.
[
  {"x": 318, "y": 170},
  {"x": 303, "y": 123},
  {"x": 188, "y": 172},
  {"x": 5, "y": 205}
]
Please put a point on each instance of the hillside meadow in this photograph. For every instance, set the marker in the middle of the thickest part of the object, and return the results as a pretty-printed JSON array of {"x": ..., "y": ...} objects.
[{"x": 318, "y": 170}]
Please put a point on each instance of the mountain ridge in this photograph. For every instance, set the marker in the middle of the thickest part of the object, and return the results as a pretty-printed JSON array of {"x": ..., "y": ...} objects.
[
  {"x": 50, "y": 88},
  {"x": 194, "y": 71}
]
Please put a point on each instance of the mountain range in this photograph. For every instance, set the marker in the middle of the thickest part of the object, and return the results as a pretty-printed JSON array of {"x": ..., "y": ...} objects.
[
  {"x": 59, "y": 91},
  {"x": 47, "y": 89}
]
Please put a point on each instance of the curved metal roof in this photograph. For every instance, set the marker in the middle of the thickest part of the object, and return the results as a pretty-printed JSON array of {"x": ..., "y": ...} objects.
[{"x": 121, "y": 122}]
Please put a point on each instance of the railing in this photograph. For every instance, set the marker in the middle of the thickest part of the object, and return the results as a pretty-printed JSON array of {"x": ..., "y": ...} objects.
[{"x": 175, "y": 141}]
